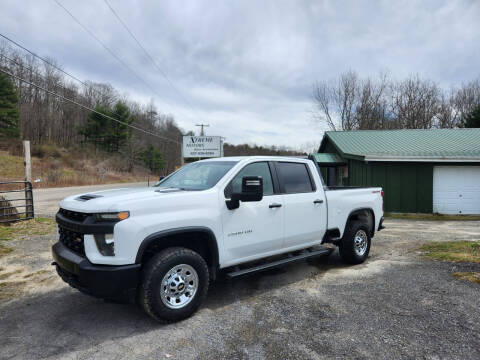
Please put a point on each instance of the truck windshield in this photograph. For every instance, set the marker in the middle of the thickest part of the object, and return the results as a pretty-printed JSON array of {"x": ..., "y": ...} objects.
[{"x": 197, "y": 175}]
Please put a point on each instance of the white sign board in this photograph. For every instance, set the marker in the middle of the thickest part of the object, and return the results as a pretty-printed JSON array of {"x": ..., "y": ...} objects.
[{"x": 202, "y": 146}]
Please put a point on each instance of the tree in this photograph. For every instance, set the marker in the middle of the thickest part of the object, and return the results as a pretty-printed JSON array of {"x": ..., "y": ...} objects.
[
  {"x": 9, "y": 114},
  {"x": 415, "y": 103},
  {"x": 96, "y": 130},
  {"x": 119, "y": 133},
  {"x": 152, "y": 158},
  {"x": 105, "y": 133},
  {"x": 472, "y": 120},
  {"x": 352, "y": 103}
]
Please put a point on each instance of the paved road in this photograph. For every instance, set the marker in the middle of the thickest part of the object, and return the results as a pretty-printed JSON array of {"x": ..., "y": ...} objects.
[
  {"x": 46, "y": 200},
  {"x": 395, "y": 306}
]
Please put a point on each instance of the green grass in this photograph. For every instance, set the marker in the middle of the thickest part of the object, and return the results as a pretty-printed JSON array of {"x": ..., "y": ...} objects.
[
  {"x": 12, "y": 166},
  {"x": 435, "y": 217},
  {"x": 469, "y": 276},
  {"x": 24, "y": 229},
  {"x": 455, "y": 251}
]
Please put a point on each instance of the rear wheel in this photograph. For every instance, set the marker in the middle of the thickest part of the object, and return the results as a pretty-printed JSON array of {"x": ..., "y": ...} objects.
[
  {"x": 355, "y": 245},
  {"x": 174, "y": 284}
]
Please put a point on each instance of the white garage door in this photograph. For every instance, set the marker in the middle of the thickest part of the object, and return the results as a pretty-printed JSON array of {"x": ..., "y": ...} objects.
[{"x": 456, "y": 189}]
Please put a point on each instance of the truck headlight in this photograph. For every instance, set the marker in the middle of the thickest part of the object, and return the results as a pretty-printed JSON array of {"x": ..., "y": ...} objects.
[
  {"x": 112, "y": 216},
  {"x": 105, "y": 244}
]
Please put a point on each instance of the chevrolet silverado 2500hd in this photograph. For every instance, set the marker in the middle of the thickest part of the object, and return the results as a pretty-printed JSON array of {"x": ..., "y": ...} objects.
[{"x": 162, "y": 245}]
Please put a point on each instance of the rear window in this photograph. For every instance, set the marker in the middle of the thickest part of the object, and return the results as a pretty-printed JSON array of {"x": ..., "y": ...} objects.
[{"x": 294, "y": 177}]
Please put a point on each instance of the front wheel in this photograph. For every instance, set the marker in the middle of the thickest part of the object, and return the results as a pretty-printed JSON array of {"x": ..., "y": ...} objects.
[
  {"x": 355, "y": 244},
  {"x": 174, "y": 284}
]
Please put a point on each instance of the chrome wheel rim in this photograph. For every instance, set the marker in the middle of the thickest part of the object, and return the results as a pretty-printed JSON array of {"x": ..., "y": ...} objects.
[
  {"x": 179, "y": 286},
  {"x": 360, "y": 242}
]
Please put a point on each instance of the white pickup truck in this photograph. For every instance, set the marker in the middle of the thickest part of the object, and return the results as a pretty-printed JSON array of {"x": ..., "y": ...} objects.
[{"x": 162, "y": 245}]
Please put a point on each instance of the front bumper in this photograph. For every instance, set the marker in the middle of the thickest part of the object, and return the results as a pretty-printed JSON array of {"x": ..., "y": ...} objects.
[{"x": 104, "y": 281}]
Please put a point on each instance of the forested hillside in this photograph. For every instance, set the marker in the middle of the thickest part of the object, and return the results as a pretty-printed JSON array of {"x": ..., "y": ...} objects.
[{"x": 49, "y": 122}]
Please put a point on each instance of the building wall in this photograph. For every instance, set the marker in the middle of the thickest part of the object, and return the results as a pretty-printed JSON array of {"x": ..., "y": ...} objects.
[{"x": 408, "y": 186}]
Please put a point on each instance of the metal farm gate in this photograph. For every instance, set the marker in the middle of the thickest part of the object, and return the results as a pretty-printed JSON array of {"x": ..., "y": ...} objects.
[{"x": 16, "y": 201}]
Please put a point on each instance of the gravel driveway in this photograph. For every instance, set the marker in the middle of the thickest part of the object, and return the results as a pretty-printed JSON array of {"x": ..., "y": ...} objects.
[{"x": 396, "y": 305}]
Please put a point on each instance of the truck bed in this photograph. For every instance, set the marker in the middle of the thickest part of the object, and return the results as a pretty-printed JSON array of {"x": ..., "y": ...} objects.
[{"x": 342, "y": 200}]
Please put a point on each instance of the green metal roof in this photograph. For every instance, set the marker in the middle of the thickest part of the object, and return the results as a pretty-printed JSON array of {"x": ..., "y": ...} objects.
[
  {"x": 328, "y": 158},
  {"x": 409, "y": 144}
]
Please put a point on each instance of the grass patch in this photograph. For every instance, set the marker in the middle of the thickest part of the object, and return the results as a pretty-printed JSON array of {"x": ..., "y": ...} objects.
[
  {"x": 12, "y": 166},
  {"x": 469, "y": 276},
  {"x": 39, "y": 272},
  {"x": 11, "y": 289},
  {"x": 4, "y": 250},
  {"x": 24, "y": 229},
  {"x": 20, "y": 229},
  {"x": 437, "y": 217},
  {"x": 456, "y": 251},
  {"x": 8, "y": 274}
]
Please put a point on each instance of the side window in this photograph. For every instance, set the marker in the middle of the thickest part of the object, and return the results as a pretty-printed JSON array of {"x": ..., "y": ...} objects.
[
  {"x": 256, "y": 169},
  {"x": 295, "y": 177}
]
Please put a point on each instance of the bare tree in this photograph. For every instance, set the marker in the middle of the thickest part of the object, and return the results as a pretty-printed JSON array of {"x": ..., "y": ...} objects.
[
  {"x": 467, "y": 98},
  {"x": 336, "y": 103}
]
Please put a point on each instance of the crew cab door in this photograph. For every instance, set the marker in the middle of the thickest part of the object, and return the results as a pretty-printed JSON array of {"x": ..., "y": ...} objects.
[
  {"x": 255, "y": 228},
  {"x": 304, "y": 203}
]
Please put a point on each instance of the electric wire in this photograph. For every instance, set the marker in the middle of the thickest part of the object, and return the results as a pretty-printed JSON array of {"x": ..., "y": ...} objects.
[
  {"x": 87, "y": 107},
  {"x": 125, "y": 26},
  {"x": 111, "y": 52}
]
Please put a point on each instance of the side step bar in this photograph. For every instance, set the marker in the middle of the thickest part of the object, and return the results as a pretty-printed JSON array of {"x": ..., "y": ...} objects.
[{"x": 305, "y": 254}]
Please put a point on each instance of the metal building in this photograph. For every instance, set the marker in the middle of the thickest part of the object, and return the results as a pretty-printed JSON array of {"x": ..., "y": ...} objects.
[{"x": 421, "y": 171}]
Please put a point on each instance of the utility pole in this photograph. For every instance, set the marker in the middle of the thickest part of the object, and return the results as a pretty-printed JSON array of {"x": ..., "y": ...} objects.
[{"x": 202, "y": 132}]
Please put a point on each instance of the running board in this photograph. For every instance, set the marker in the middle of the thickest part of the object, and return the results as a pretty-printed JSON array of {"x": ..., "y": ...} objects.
[{"x": 306, "y": 254}]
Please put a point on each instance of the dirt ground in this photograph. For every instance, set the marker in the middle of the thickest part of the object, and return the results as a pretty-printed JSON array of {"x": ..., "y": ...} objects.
[{"x": 396, "y": 305}]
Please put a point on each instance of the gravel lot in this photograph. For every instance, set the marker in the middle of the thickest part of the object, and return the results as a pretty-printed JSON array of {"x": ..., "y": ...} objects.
[{"x": 396, "y": 305}]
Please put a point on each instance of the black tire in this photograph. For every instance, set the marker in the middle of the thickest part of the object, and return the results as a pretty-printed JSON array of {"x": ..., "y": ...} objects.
[
  {"x": 156, "y": 269},
  {"x": 348, "y": 251}
]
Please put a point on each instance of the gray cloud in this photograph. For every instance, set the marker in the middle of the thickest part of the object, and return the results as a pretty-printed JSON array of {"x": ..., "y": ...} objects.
[{"x": 248, "y": 67}]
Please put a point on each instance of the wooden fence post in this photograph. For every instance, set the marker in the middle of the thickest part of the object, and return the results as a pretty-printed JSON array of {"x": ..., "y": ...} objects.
[{"x": 28, "y": 177}]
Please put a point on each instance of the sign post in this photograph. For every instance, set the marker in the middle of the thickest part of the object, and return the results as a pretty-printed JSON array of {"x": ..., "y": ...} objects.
[{"x": 202, "y": 146}]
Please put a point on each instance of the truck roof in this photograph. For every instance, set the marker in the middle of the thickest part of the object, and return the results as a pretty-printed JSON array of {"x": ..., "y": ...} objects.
[{"x": 259, "y": 157}]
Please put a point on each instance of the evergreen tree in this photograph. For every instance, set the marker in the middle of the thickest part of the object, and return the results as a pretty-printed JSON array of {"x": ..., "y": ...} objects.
[
  {"x": 97, "y": 128},
  {"x": 105, "y": 133},
  {"x": 152, "y": 158},
  {"x": 9, "y": 114},
  {"x": 472, "y": 120},
  {"x": 120, "y": 133}
]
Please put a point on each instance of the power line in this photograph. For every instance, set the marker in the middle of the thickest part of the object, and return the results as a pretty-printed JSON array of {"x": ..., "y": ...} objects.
[
  {"x": 87, "y": 86},
  {"x": 147, "y": 54},
  {"x": 86, "y": 107},
  {"x": 43, "y": 77},
  {"x": 108, "y": 49},
  {"x": 44, "y": 60}
]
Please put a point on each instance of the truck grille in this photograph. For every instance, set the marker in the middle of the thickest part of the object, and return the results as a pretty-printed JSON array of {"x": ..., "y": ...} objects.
[
  {"x": 72, "y": 240},
  {"x": 73, "y": 215}
]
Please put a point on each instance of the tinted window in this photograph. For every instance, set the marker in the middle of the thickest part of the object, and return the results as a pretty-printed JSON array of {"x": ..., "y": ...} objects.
[
  {"x": 199, "y": 175},
  {"x": 295, "y": 177},
  {"x": 255, "y": 169}
]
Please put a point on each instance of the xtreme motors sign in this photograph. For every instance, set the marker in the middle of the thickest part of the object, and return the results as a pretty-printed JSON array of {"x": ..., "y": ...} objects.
[{"x": 202, "y": 146}]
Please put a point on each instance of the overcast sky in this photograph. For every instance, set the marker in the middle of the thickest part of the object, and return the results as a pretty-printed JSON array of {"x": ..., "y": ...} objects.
[{"x": 247, "y": 67}]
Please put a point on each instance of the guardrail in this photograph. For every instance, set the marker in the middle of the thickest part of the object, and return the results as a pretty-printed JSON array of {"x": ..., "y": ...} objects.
[{"x": 10, "y": 204}]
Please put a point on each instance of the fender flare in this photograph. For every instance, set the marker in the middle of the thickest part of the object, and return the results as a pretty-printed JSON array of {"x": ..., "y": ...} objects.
[
  {"x": 352, "y": 213},
  {"x": 212, "y": 240}
]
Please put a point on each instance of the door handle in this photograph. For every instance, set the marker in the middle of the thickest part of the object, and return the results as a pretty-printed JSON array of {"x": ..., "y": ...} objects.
[
  {"x": 274, "y": 205},
  {"x": 318, "y": 201}
]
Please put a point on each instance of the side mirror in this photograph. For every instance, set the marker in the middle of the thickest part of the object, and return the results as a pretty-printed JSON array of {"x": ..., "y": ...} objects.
[
  {"x": 161, "y": 178},
  {"x": 252, "y": 190}
]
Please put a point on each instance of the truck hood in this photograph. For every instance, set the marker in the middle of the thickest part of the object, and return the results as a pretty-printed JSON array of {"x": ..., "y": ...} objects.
[{"x": 117, "y": 199}]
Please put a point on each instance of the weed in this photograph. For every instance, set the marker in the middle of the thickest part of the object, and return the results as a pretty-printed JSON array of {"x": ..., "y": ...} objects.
[
  {"x": 469, "y": 276},
  {"x": 439, "y": 217},
  {"x": 456, "y": 251}
]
